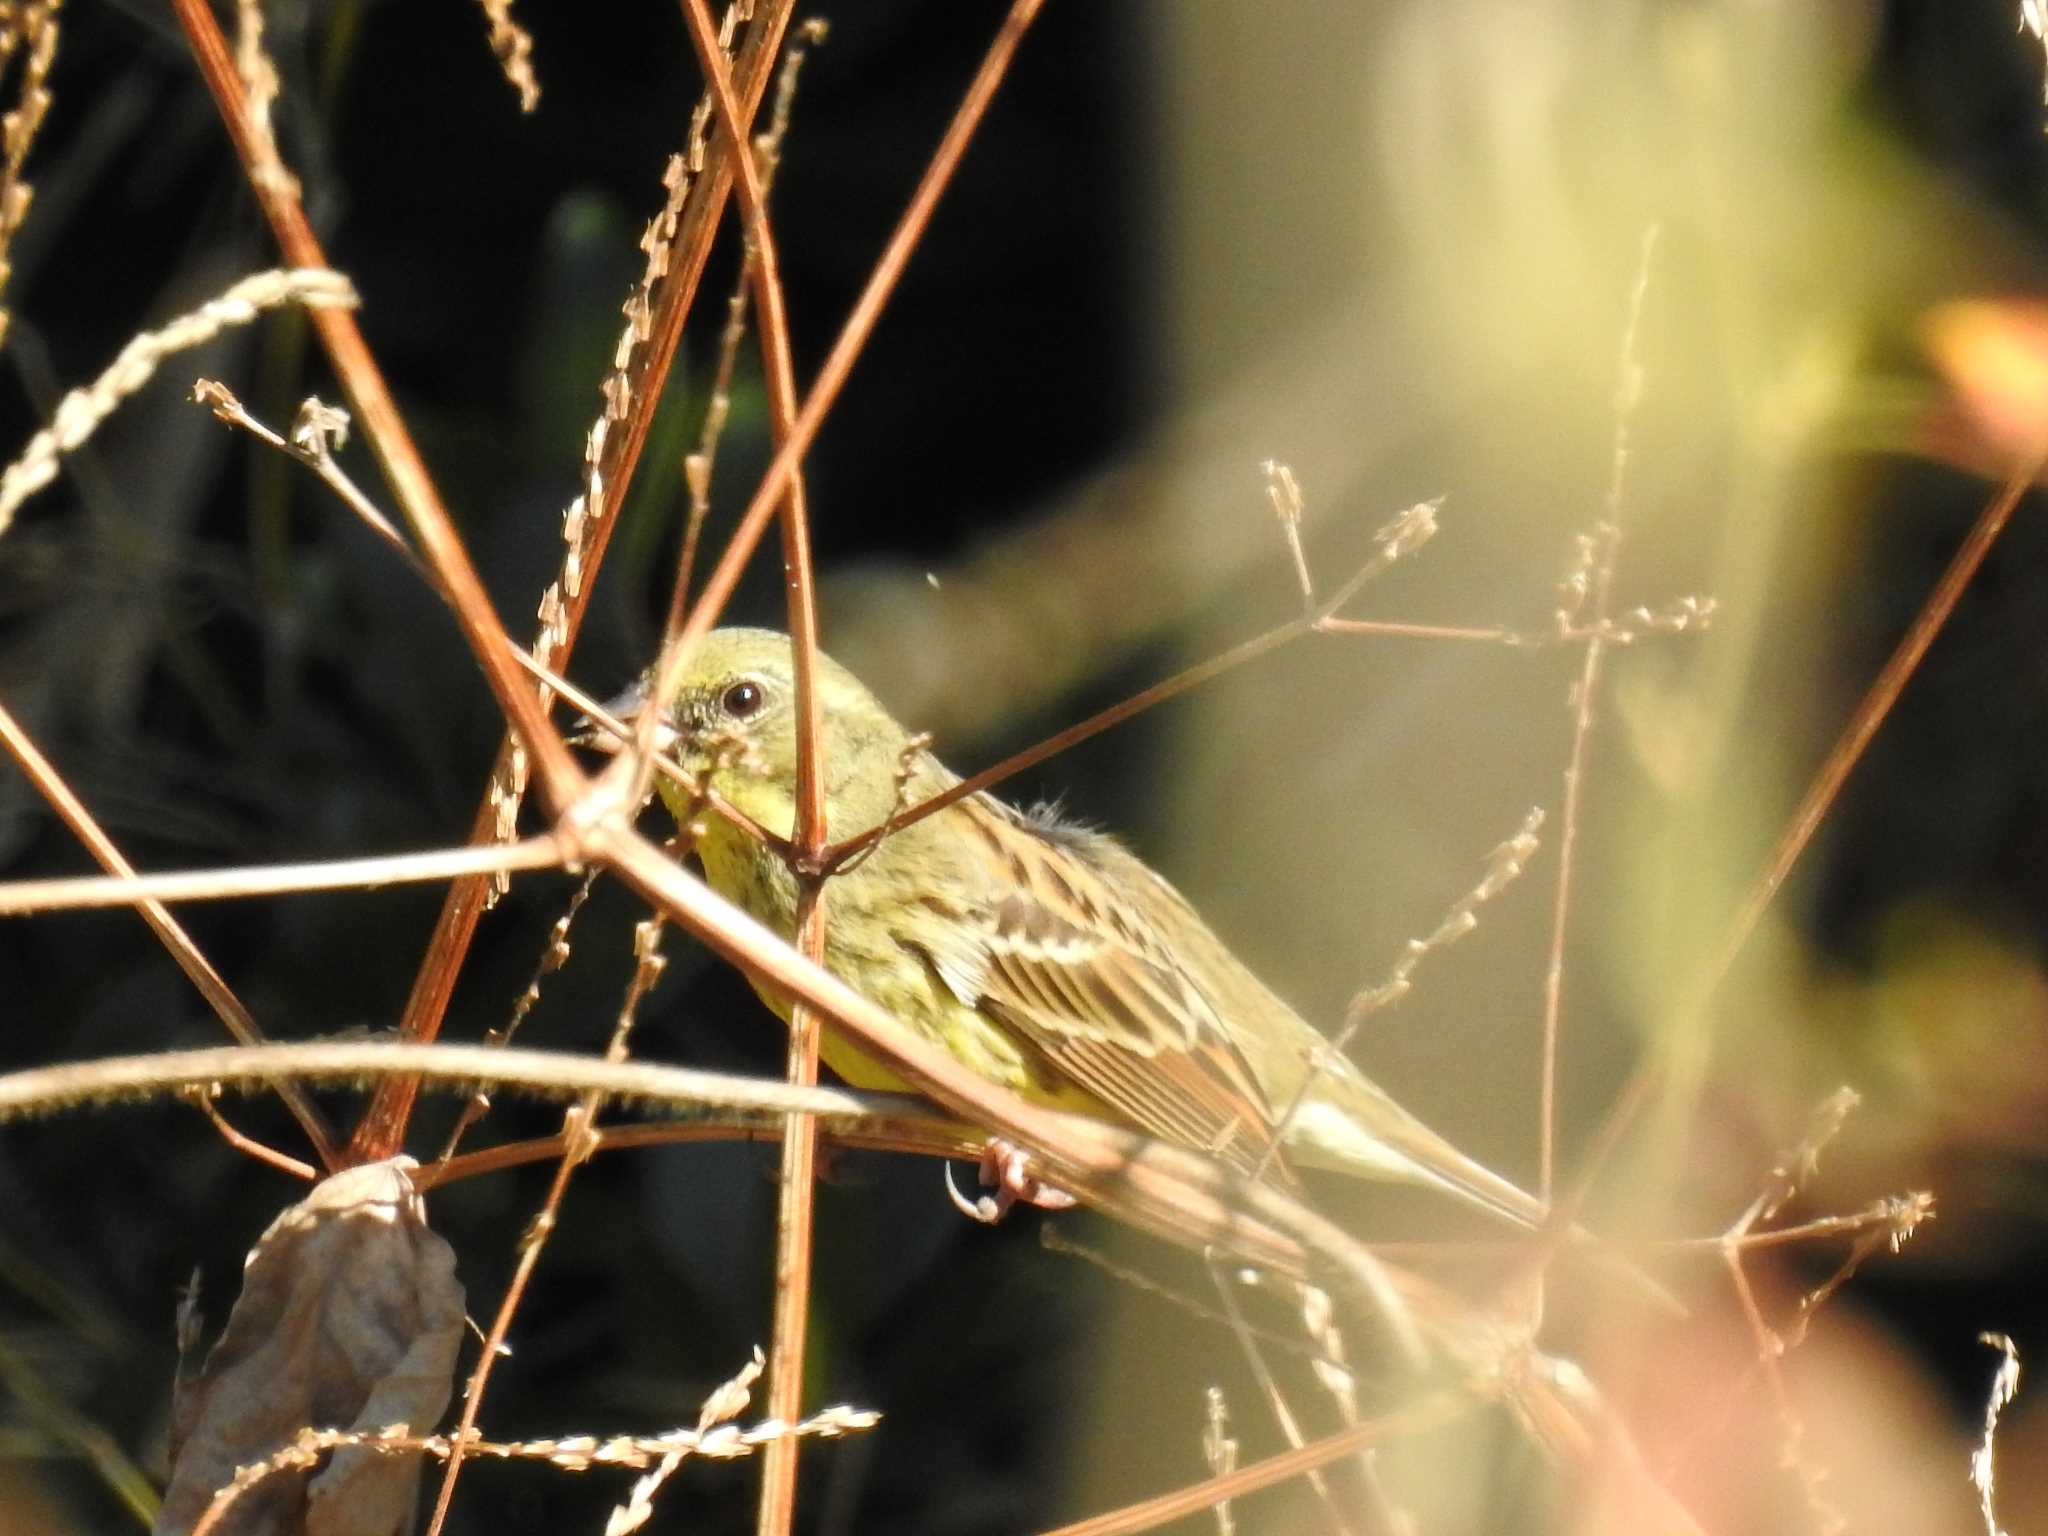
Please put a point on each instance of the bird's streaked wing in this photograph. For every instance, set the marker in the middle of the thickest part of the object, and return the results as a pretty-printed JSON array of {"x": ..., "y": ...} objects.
[{"x": 1081, "y": 974}]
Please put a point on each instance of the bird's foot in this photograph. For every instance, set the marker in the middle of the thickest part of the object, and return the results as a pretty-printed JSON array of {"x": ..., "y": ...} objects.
[{"x": 1006, "y": 1168}]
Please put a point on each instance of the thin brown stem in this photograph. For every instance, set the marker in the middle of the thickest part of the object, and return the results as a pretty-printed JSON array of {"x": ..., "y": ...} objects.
[
  {"x": 312, "y": 453},
  {"x": 22, "y": 896},
  {"x": 698, "y": 466},
  {"x": 1891, "y": 1215},
  {"x": 203, "y": 1100},
  {"x": 382, "y": 1127},
  {"x": 1820, "y": 796},
  {"x": 184, "y": 949},
  {"x": 554, "y": 955},
  {"x": 349, "y": 355},
  {"x": 1494, "y": 634},
  {"x": 1320, "y": 620},
  {"x": 1431, "y": 1412},
  {"x": 531, "y": 1242},
  {"x": 1876, "y": 704},
  {"x": 1269, "y": 1386},
  {"x": 794, "y": 1203},
  {"x": 1583, "y": 690},
  {"x": 578, "y": 1144},
  {"x": 794, "y": 1229},
  {"x": 853, "y": 335},
  {"x": 1770, "y": 1349},
  {"x": 1094, "y": 725},
  {"x": 1600, "y": 552},
  {"x": 918, "y": 1135},
  {"x": 559, "y": 1075}
]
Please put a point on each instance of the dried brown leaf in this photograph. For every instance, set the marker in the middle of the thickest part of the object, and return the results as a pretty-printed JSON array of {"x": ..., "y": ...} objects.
[{"x": 350, "y": 1315}]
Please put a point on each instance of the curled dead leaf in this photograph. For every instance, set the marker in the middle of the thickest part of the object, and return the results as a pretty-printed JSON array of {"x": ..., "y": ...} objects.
[{"x": 350, "y": 1315}]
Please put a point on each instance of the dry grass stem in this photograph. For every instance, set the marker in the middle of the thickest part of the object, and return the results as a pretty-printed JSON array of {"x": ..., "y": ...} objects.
[
  {"x": 1679, "y": 616},
  {"x": 1053, "y": 1240},
  {"x": 728, "y": 1401},
  {"x": 457, "y": 1068},
  {"x": 184, "y": 949},
  {"x": 1319, "y": 1323},
  {"x": 648, "y": 965},
  {"x": 363, "y": 382},
  {"x": 318, "y": 431},
  {"x": 914, "y": 1127},
  {"x": 204, "y": 1099},
  {"x": 1591, "y": 577},
  {"x": 580, "y": 523},
  {"x": 553, "y": 956},
  {"x": 853, "y": 334},
  {"x": 79, "y": 413},
  {"x": 698, "y": 466},
  {"x": 579, "y": 1144},
  {"x": 1827, "y": 1517},
  {"x": 23, "y": 896},
  {"x": 584, "y": 524},
  {"x": 1894, "y": 1218},
  {"x": 763, "y": 266},
  {"x": 259, "y": 91},
  {"x": 1404, "y": 533},
  {"x": 570, "y": 1453},
  {"x": 1094, "y": 725},
  {"x": 1399, "y": 537},
  {"x": 1219, "y": 1451},
  {"x": 1888, "y": 1226},
  {"x": 1504, "y": 866},
  {"x": 383, "y": 1124},
  {"x": 1890, "y": 1223},
  {"x": 1178, "y": 1194},
  {"x": 1427, "y": 1413},
  {"x": 512, "y": 46},
  {"x": 790, "y": 1311},
  {"x": 1871, "y": 712},
  {"x": 2005, "y": 1386},
  {"x": 28, "y": 29},
  {"x": 1796, "y": 1168},
  {"x": 782, "y": 488},
  {"x": 1276, "y": 1400},
  {"x": 1848, "y": 749},
  {"x": 1283, "y": 494}
]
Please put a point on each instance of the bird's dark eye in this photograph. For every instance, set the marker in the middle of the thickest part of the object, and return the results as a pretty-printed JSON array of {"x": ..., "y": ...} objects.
[{"x": 741, "y": 699}]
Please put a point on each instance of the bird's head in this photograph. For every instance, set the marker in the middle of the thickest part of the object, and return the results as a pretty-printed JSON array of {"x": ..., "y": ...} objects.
[{"x": 733, "y": 721}]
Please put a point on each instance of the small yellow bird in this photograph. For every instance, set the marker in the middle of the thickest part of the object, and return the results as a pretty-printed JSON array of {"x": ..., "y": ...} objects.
[{"x": 1042, "y": 955}]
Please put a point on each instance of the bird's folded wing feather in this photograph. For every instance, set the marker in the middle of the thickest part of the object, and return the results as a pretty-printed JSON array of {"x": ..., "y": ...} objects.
[{"x": 1056, "y": 954}]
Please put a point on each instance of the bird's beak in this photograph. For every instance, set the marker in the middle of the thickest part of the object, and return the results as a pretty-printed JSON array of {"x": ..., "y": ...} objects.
[
  {"x": 594, "y": 732},
  {"x": 627, "y": 706}
]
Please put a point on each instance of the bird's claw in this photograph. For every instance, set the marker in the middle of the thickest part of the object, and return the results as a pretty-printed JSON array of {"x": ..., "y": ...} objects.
[{"x": 1006, "y": 1168}]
